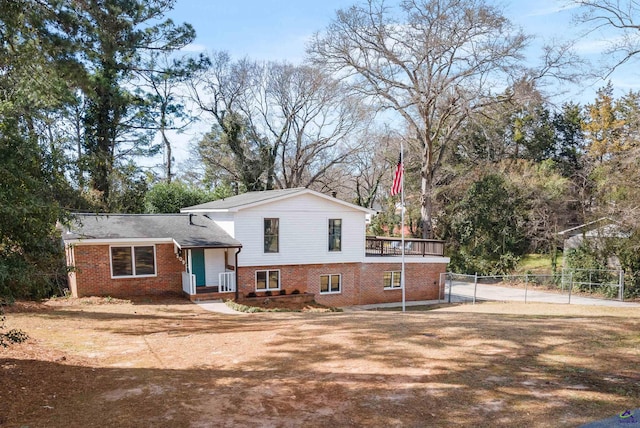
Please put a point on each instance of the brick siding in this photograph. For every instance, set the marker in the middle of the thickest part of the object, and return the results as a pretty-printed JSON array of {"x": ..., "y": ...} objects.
[
  {"x": 361, "y": 283},
  {"x": 92, "y": 276}
]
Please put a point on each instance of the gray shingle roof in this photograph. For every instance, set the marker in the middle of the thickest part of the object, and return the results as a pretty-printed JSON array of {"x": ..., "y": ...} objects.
[
  {"x": 199, "y": 232},
  {"x": 244, "y": 199},
  {"x": 252, "y": 199}
]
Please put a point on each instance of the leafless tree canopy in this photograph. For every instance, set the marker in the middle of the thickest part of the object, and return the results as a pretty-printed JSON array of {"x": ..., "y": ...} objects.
[
  {"x": 277, "y": 125},
  {"x": 314, "y": 119},
  {"x": 433, "y": 62},
  {"x": 623, "y": 16}
]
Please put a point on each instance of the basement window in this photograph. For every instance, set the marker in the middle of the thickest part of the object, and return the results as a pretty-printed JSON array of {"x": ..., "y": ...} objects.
[
  {"x": 267, "y": 280},
  {"x": 330, "y": 284},
  {"x": 392, "y": 280}
]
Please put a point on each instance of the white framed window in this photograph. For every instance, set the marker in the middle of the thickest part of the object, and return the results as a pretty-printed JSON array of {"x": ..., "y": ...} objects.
[
  {"x": 271, "y": 235},
  {"x": 330, "y": 283},
  {"x": 133, "y": 260},
  {"x": 267, "y": 280},
  {"x": 392, "y": 280},
  {"x": 335, "y": 234}
]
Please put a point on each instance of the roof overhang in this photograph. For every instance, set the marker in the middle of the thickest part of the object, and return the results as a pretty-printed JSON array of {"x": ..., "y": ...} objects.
[
  {"x": 188, "y": 247},
  {"x": 585, "y": 225},
  {"x": 115, "y": 241},
  {"x": 110, "y": 241}
]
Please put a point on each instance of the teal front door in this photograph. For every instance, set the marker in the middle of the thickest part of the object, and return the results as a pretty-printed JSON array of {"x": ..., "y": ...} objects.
[{"x": 197, "y": 266}]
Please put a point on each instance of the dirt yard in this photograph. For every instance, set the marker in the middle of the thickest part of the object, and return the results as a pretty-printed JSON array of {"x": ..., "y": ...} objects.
[{"x": 94, "y": 363}]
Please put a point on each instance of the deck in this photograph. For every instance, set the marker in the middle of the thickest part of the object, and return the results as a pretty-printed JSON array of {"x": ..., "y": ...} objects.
[{"x": 378, "y": 246}]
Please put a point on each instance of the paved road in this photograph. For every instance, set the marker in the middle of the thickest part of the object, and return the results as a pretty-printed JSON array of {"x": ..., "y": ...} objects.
[{"x": 463, "y": 291}]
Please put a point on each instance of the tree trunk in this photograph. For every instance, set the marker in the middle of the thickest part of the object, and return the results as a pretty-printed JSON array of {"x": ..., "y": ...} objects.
[
  {"x": 426, "y": 204},
  {"x": 79, "y": 136},
  {"x": 426, "y": 184},
  {"x": 168, "y": 163}
]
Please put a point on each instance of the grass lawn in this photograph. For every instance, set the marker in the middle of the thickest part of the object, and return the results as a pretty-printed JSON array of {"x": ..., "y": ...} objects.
[
  {"x": 537, "y": 263},
  {"x": 169, "y": 363}
]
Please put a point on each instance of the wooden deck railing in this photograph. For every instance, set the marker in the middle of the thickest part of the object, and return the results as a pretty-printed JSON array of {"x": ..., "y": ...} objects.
[{"x": 382, "y": 246}]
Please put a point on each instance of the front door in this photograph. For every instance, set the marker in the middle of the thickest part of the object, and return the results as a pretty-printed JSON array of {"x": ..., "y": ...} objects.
[
  {"x": 214, "y": 265},
  {"x": 197, "y": 266}
]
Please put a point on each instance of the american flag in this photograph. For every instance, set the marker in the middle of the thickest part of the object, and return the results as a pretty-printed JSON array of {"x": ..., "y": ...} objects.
[{"x": 397, "y": 178}]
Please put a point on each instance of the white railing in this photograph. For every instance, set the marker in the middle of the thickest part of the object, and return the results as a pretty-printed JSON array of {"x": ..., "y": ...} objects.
[
  {"x": 227, "y": 281},
  {"x": 189, "y": 283}
]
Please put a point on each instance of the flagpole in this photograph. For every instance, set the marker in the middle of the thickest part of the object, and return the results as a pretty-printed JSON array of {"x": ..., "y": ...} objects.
[{"x": 402, "y": 225}]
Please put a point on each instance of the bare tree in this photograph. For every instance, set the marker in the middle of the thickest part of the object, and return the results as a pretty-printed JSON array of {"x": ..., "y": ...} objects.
[
  {"x": 372, "y": 165},
  {"x": 360, "y": 178},
  {"x": 433, "y": 62},
  {"x": 233, "y": 146},
  {"x": 314, "y": 119},
  {"x": 291, "y": 124},
  {"x": 620, "y": 15}
]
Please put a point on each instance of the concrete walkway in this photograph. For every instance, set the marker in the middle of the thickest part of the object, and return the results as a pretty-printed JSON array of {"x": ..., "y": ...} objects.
[{"x": 217, "y": 306}]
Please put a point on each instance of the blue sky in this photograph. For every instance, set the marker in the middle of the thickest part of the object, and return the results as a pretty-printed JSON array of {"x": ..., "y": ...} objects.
[
  {"x": 279, "y": 29},
  {"x": 259, "y": 29}
]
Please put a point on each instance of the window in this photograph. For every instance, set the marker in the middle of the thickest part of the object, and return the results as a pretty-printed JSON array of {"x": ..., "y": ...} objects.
[
  {"x": 392, "y": 279},
  {"x": 330, "y": 284},
  {"x": 267, "y": 280},
  {"x": 133, "y": 261},
  {"x": 335, "y": 234},
  {"x": 271, "y": 233}
]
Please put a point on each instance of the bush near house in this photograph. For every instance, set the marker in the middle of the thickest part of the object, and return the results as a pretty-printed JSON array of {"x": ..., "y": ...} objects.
[{"x": 595, "y": 260}]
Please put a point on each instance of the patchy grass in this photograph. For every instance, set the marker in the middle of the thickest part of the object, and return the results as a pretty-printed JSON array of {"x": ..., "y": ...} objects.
[
  {"x": 169, "y": 363},
  {"x": 537, "y": 264}
]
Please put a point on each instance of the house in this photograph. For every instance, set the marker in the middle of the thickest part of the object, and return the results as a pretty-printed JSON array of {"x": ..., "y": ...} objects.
[
  {"x": 124, "y": 255},
  {"x": 594, "y": 233},
  {"x": 258, "y": 243}
]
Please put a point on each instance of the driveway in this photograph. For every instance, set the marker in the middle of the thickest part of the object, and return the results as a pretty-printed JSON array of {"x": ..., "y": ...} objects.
[{"x": 464, "y": 291}]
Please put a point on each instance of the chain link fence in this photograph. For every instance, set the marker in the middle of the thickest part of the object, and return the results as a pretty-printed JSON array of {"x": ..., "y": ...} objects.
[{"x": 577, "y": 285}]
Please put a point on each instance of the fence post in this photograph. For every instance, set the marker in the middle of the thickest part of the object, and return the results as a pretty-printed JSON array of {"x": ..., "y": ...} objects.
[
  {"x": 621, "y": 285},
  {"x": 475, "y": 287},
  {"x": 526, "y": 283},
  {"x": 570, "y": 285},
  {"x": 450, "y": 285}
]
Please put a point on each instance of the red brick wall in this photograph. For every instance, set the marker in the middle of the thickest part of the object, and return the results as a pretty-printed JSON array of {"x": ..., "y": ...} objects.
[
  {"x": 362, "y": 283},
  {"x": 421, "y": 282},
  {"x": 93, "y": 274},
  {"x": 306, "y": 279}
]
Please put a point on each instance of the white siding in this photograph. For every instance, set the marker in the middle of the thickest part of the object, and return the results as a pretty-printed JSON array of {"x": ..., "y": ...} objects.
[
  {"x": 304, "y": 223},
  {"x": 214, "y": 263},
  {"x": 224, "y": 221}
]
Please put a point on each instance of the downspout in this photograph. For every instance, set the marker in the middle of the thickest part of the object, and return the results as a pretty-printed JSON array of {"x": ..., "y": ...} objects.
[{"x": 237, "y": 292}]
